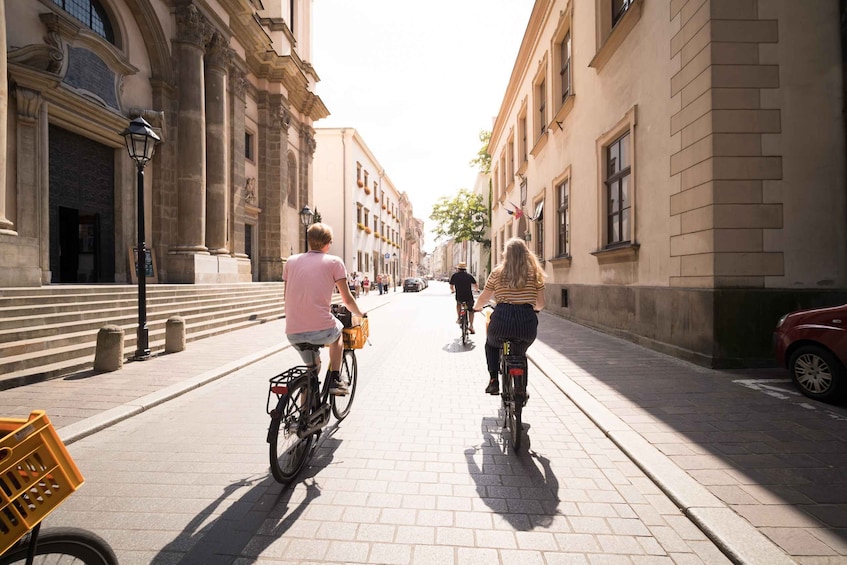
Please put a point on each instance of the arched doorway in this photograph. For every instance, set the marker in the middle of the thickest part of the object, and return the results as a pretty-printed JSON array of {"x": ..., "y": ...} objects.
[{"x": 82, "y": 209}]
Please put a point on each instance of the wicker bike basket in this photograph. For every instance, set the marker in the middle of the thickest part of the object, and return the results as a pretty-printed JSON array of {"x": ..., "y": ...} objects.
[
  {"x": 356, "y": 336},
  {"x": 36, "y": 474}
]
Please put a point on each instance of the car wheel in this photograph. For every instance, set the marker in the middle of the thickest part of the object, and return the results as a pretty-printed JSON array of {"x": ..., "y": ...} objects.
[{"x": 817, "y": 373}]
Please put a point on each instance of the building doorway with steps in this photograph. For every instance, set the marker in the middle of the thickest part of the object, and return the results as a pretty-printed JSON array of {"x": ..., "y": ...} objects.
[{"x": 82, "y": 209}]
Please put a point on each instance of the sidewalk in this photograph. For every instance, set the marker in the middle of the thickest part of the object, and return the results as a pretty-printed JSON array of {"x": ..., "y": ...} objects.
[{"x": 762, "y": 474}]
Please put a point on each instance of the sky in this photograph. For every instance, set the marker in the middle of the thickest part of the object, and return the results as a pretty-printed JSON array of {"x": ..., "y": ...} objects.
[{"x": 418, "y": 81}]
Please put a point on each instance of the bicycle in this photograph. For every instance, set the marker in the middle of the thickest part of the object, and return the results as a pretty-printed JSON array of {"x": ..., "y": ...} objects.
[
  {"x": 302, "y": 406},
  {"x": 36, "y": 475},
  {"x": 464, "y": 324},
  {"x": 513, "y": 373}
]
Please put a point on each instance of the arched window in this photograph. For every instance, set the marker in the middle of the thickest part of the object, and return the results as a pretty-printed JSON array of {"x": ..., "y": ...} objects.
[
  {"x": 92, "y": 14},
  {"x": 292, "y": 180}
]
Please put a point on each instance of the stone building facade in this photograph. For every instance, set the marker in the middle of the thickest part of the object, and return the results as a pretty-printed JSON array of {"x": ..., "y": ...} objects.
[
  {"x": 679, "y": 166},
  {"x": 226, "y": 85},
  {"x": 369, "y": 215}
]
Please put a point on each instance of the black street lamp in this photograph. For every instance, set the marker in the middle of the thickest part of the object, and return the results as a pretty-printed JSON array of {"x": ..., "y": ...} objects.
[
  {"x": 141, "y": 143},
  {"x": 306, "y": 217}
]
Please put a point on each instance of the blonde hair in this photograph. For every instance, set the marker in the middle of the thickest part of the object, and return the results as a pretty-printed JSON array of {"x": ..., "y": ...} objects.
[
  {"x": 318, "y": 236},
  {"x": 519, "y": 264}
]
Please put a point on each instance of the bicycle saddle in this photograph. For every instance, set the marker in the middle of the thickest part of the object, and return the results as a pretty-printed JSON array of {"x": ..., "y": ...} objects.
[{"x": 307, "y": 347}]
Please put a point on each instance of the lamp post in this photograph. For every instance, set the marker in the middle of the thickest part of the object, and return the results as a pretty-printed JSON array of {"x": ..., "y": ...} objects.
[
  {"x": 141, "y": 143},
  {"x": 306, "y": 217}
]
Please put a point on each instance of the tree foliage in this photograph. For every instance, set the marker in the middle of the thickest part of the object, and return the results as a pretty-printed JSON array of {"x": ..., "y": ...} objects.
[
  {"x": 464, "y": 217},
  {"x": 482, "y": 161}
]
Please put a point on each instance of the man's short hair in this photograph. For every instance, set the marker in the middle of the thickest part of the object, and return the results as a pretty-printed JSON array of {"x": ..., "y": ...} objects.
[{"x": 318, "y": 236}]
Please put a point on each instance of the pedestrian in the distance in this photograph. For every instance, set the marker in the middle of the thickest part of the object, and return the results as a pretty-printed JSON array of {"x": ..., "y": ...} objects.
[{"x": 366, "y": 285}]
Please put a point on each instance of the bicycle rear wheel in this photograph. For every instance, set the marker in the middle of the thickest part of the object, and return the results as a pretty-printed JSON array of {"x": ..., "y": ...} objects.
[
  {"x": 288, "y": 451},
  {"x": 63, "y": 546},
  {"x": 464, "y": 323},
  {"x": 350, "y": 373}
]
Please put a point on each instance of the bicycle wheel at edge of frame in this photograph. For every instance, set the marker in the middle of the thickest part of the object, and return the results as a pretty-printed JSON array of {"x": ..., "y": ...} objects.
[
  {"x": 78, "y": 543},
  {"x": 287, "y": 463},
  {"x": 349, "y": 371}
]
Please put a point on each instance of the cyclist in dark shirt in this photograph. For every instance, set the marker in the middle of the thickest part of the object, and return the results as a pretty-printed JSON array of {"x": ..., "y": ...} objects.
[{"x": 463, "y": 284}]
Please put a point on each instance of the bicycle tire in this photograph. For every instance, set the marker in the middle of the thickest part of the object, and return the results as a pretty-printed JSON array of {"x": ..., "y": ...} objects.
[
  {"x": 464, "y": 324},
  {"x": 288, "y": 451},
  {"x": 349, "y": 372},
  {"x": 63, "y": 545}
]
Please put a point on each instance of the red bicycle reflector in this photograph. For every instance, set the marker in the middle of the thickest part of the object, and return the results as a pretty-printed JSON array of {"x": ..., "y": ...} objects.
[
  {"x": 513, "y": 371},
  {"x": 281, "y": 389}
]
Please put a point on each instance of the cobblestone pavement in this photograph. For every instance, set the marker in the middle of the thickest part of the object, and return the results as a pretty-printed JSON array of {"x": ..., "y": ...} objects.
[{"x": 633, "y": 457}]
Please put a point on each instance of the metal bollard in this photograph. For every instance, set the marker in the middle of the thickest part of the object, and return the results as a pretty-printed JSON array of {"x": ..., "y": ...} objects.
[
  {"x": 109, "y": 355},
  {"x": 175, "y": 334}
]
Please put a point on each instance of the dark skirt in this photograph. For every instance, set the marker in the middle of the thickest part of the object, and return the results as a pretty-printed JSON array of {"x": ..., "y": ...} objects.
[{"x": 517, "y": 323}]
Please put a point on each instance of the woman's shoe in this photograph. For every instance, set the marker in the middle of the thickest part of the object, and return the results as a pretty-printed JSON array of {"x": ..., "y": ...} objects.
[{"x": 493, "y": 387}]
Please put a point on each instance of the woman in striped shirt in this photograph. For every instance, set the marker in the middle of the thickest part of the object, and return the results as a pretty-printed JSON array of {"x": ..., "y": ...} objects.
[{"x": 517, "y": 287}]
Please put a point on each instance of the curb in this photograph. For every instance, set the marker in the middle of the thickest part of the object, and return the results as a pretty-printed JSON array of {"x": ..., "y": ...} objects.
[
  {"x": 84, "y": 428},
  {"x": 739, "y": 540}
]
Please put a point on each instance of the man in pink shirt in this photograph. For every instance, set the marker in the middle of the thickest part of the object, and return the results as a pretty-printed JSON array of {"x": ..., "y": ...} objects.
[{"x": 309, "y": 282}]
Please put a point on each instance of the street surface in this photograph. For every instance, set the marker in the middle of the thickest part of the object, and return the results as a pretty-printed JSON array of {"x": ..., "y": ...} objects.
[{"x": 633, "y": 456}]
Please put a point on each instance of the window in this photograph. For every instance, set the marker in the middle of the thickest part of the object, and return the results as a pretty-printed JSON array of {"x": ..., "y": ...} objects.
[
  {"x": 563, "y": 219},
  {"x": 292, "y": 180},
  {"x": 615, "y": 19},
  {"x": 540, "y": 114},
  {"x": 359, "y": 175},
  {"x": 619, "y": 8},
  {"x": 92, "y": 14},
  {"x": 618, "y": 200},
  {"x": 541, "y": 97},
  {"x": 366, "y": 217},
  {"x": 523, "y": 150},
  {"x": 539, "y": 230},
  {"x": 510, "y": 148},
  {"x": 565, "y": 68},
  {"x": 359, "y": 214},
  {"x": 248, "y": 146}
]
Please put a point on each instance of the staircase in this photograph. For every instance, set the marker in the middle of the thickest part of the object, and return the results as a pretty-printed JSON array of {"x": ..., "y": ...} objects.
[{"x": 51, "y": 331}]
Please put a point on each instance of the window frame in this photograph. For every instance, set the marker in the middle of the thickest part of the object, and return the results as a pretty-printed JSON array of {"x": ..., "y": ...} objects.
[
  {"x": 626, "y": 249},
  {"x": 95, "y": 8},
  {"x": 541, "y": 107},
  {"x": 610, "y": 36}
]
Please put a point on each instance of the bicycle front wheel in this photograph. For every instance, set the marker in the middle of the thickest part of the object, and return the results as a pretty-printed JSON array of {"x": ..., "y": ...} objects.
[
  {"x": 63, "y": 546},
  {"x": 349, "y": 373},
  {"x": 288, "y": 451}
]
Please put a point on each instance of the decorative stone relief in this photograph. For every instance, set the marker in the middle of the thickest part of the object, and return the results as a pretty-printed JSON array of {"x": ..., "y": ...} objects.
[
  {"x": 28, "y": 103},
  {"x": 250, "y": 191},
  {"x": 191, "y": 25},
  {"x": 218, "y": 52}
]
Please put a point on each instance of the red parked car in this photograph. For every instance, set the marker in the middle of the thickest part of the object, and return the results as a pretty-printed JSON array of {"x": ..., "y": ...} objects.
[{"x": 812, "y": 345}]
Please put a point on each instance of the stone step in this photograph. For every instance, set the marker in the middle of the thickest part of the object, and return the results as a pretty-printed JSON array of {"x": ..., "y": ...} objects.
[
  {"x": 71, "y": 359},
  {"x": 37, "y": 317},
  {"x": 47, "y": 338}
]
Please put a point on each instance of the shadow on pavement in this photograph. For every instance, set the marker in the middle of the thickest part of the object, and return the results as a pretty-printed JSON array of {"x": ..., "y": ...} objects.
[
  {"x": 762, "y": 448},
  {"x": 254, "y": 522},
  {"x": 521, "y": 487}
]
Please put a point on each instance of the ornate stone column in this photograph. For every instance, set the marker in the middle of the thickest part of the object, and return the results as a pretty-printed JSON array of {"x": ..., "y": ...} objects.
[
  {"x": 274, "y": 120},
  {"x": 192, "y": 35},
  {"x": 6, "y": 225},
  {"x": 238, "y": 182},
  {"x": 218, "y": 57}
]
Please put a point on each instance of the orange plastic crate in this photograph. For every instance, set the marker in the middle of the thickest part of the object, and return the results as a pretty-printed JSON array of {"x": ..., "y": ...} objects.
[{"x": 36, "y": 474}]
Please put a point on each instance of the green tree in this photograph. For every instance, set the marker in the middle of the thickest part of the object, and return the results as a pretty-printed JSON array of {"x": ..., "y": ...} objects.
[
  {"x": 463, "y": 217},
  {"x": 482, "y": 161}
]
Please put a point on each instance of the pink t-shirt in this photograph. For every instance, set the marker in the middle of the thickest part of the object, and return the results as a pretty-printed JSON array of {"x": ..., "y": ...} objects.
[{"x": 309, "y": 282}]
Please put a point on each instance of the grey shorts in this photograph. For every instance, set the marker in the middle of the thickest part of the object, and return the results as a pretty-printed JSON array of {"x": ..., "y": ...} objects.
[{"x": 318, "y": 337}]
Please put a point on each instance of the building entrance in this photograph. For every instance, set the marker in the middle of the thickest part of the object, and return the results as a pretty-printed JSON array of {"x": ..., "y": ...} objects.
[{"x": 82, "y": 209}]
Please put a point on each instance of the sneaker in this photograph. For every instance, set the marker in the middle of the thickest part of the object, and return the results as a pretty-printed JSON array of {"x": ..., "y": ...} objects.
[
  {"x": 493, "y": 387},
  {"x": 339, "y": 388},
  {"x": 471, "y": 330}
]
